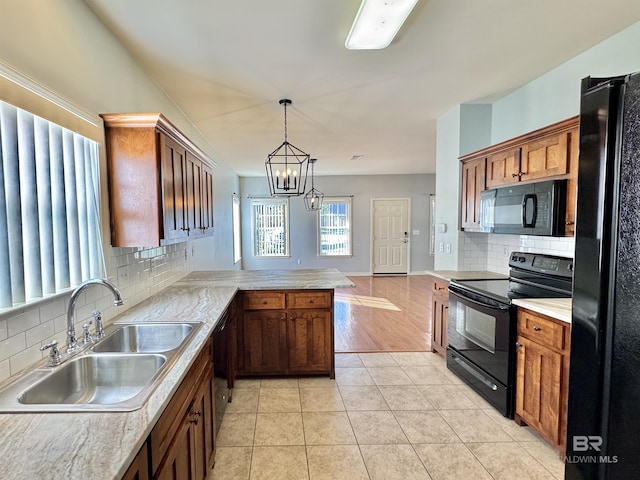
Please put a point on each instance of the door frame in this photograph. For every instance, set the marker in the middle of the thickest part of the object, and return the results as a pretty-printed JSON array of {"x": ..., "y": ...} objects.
[{"x": 372, "y": 230}]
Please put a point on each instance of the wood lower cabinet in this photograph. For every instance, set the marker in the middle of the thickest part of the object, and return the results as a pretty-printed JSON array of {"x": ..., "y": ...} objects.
[
  {"x": 542, "y": 375},
  {"x": 160, "y": 183},
  {"x": 439, "y": 315},
  {"x": 139, "y": 468},
  {"x": 182, "y": 443},
  {"x": 286, "y": 333}
]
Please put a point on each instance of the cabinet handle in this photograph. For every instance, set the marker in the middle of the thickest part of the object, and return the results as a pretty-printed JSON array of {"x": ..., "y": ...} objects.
[
  {"x": 537, "y": 328},
  {"x": 518, "y": 344},
  {"x": 264, "y": 302},
  {"x": 514, "y": 175},
  {"x": 521, "y": 174},
  {"x": 569, "y": 223},
  {"x": 311, "y": 300},
  {"x": 293, "y": 319}
]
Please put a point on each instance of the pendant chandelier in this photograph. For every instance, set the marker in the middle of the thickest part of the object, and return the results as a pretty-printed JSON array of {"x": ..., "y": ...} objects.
[
  {"x": 287, "y": 166},
  {"x": 313, "y": 198}
]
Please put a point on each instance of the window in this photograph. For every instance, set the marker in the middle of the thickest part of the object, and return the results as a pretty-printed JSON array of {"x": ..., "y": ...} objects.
[
  {"x": 49, "y": 218},
  {"x": 334, "y": 227},
  {"x": 237, "y": 249},
  {"x": 270, "y": 226}
]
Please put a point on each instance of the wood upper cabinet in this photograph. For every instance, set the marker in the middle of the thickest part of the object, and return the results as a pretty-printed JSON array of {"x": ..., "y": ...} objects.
[
  {"x": 439, "y": 315},
  {"x": 286, "y": 333},
  {"x": 542, "y": 375},
  {"x": 160, "y": 183},
  {"x": 546, "y": 154},
  {"x": 473, "y": 182}
]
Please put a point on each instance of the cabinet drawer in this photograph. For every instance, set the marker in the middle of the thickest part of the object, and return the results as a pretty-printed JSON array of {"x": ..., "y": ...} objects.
[
  {"x": 263, "y": 300},
  {"x": 440, "y": 287},
  {"x": 310, "y": 299},
  {"x": 543, "y": 330}
]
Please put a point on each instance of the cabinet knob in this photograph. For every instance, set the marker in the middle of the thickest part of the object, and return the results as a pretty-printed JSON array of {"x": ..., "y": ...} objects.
[
  {"x": 537, "y": 328},
  {"x": 521, "y": 174},
  {"x": 311, "y": 300},
  {"x": 514, "y": 175},
  {"x": 293, "y": 319},
  {"x": 569, "y": 223},
  {"x": 518, "y": 344},
  {"x": 264, "y": 302}
]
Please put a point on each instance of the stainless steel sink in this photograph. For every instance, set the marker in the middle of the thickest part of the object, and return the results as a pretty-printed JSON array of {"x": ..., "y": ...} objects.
[
  {"x": 145, "y": 338},
  {"x": 95, "y": 379},
  {"x": 117, "y": 374}
]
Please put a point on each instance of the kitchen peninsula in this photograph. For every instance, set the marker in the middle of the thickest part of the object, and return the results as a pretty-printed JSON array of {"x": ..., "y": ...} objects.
[{"x": 102, "y": 445}]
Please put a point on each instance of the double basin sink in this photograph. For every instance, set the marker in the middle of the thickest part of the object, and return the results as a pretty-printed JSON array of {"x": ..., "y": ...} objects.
[{"x": 118, "y": 373}]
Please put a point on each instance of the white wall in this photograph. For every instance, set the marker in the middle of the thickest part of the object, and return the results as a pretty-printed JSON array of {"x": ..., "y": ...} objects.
[
  {"x": 363, "y": 188},
  {"x": 64, "y": 47}
]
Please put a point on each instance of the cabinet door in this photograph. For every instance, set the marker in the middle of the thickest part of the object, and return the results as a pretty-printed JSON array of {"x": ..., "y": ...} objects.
[
  {"x": 473, "y": 182},
  {"x": 206, "y": 203},
  {"x": 202, "y": 420},
  {"x": 309, "y": 340},
  {"x": 174, "y": 190},
  {"x": 538, "y": 388},
  {"x": 139, "y": 468},
  {"x": 503, "y": 168},
  {"x": 545, "y": 158},
  {"x": 177, "y": 463},
  {"x": 265, "y": 334},
  {"x": 439, "y": 316}
]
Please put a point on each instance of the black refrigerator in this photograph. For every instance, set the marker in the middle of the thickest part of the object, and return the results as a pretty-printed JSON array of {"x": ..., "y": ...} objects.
[{"x": 603, "y": 431}]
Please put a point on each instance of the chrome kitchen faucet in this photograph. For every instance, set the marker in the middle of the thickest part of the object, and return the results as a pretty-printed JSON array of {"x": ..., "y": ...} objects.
[{"x": 72, "y": 340}]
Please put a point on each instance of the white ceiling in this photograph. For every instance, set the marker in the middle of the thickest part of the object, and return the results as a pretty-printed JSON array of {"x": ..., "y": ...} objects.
[{"x": 226, "y": 63}]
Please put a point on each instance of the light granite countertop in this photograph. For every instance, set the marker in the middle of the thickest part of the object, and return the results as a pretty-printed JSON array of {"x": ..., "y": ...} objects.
[
  {"x": 95, "y": 445},
  {"x": 559, "y": 308},
  {"x": 449, "y": 275}
]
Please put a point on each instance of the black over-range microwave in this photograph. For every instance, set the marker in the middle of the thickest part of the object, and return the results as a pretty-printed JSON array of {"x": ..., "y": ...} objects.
[{"x": 531, "y": 209}]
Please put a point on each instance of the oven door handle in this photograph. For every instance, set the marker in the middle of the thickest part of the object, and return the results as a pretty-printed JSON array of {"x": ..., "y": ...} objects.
[
  {"x": 462, "y": 296},
  {"x": 470, "y": 370}
]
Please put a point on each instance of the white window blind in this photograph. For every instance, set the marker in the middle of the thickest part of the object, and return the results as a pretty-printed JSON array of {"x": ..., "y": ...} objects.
[
  {"x": 49, "y": 217},
  {"x": 334, "y": 227},
  {"x": 270, "y": 220}
]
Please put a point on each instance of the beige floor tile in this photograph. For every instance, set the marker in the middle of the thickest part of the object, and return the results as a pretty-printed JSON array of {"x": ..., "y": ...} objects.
[
  {"x": 426, "y": 427},
  {"x": 438, "y": 360},
  {"x": 451, "y": 462},
  {"x": 279, "y": 400},
  {"x": 321, "y": 400},
  {"x": 376, "y": 428},
  {"x": 327, "y": 428},
  {"x": 389, "y": 376},
  {"x": 336, "y": 462},
  {"x": 426, "y": 375},
  {"x": 377, "y": 360},
  {"x": 279, "y": 383},
  {"x": 503, "y": 460},
  {"x": 515, "y": 431},
  {"x": 548, "y": 456},
  {"x": 245, "y": 400},
  {"x": 404, "y": 397},
  {"x": 450, "y": 375},
  {"x": 348, "y": 360},
  {"x": 237, "y": 430},
  {"x": 363, "y": 398},
  {"x": 446, "y": 397},
  {"x": 232, "y": 463},
  {"x": 281, "y": 463},
  {"x": 279, "y": 429},
  {"x": 317, "y": 382},
  {"x": 246, "y": 383},
  {"x": 393, "y": 462},
  {"x": 413, "y": 359},
  {"x": 474, "y": 426},
  {"x": 353, "y": 376}
]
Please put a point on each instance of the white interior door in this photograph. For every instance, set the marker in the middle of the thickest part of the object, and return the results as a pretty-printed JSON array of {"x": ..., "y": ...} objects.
[{"x": 390, "y": 235}]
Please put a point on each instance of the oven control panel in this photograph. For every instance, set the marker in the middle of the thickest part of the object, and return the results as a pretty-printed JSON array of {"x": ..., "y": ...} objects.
[{"x": 537, "y": 262}]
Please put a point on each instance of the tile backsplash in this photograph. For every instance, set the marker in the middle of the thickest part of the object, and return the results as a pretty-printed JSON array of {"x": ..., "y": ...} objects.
[
  {"x": 137, "y": 272},
  {"x": 481, "y": 251}
]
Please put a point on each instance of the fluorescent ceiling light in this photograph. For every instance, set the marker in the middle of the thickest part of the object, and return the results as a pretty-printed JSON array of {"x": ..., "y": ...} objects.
[{"x": 377, "y": 23}]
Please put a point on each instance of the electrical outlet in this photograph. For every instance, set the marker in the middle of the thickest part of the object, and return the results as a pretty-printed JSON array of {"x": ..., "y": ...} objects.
[
  {"x": 193, "y": 250},
  {"x": 441, "y": 247},
  {"x": 123, "y": 275}
]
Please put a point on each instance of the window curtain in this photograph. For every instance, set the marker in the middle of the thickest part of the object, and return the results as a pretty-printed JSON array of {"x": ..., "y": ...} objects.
[{"x": 49, "y": 218}]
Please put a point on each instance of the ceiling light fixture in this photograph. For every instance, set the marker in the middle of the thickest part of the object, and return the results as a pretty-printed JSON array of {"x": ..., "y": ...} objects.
[
  {"x": 377, "y": 23},
  {"x": 287, "y": 166},
  {"x": 313, "y": 198}
]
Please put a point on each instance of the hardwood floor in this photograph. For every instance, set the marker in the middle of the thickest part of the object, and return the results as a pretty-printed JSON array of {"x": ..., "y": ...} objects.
[{"x": 383, "y": 314}]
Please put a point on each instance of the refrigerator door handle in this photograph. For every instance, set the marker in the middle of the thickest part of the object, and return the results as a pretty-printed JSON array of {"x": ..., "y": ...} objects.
[{"x": 529, "y": 199}]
